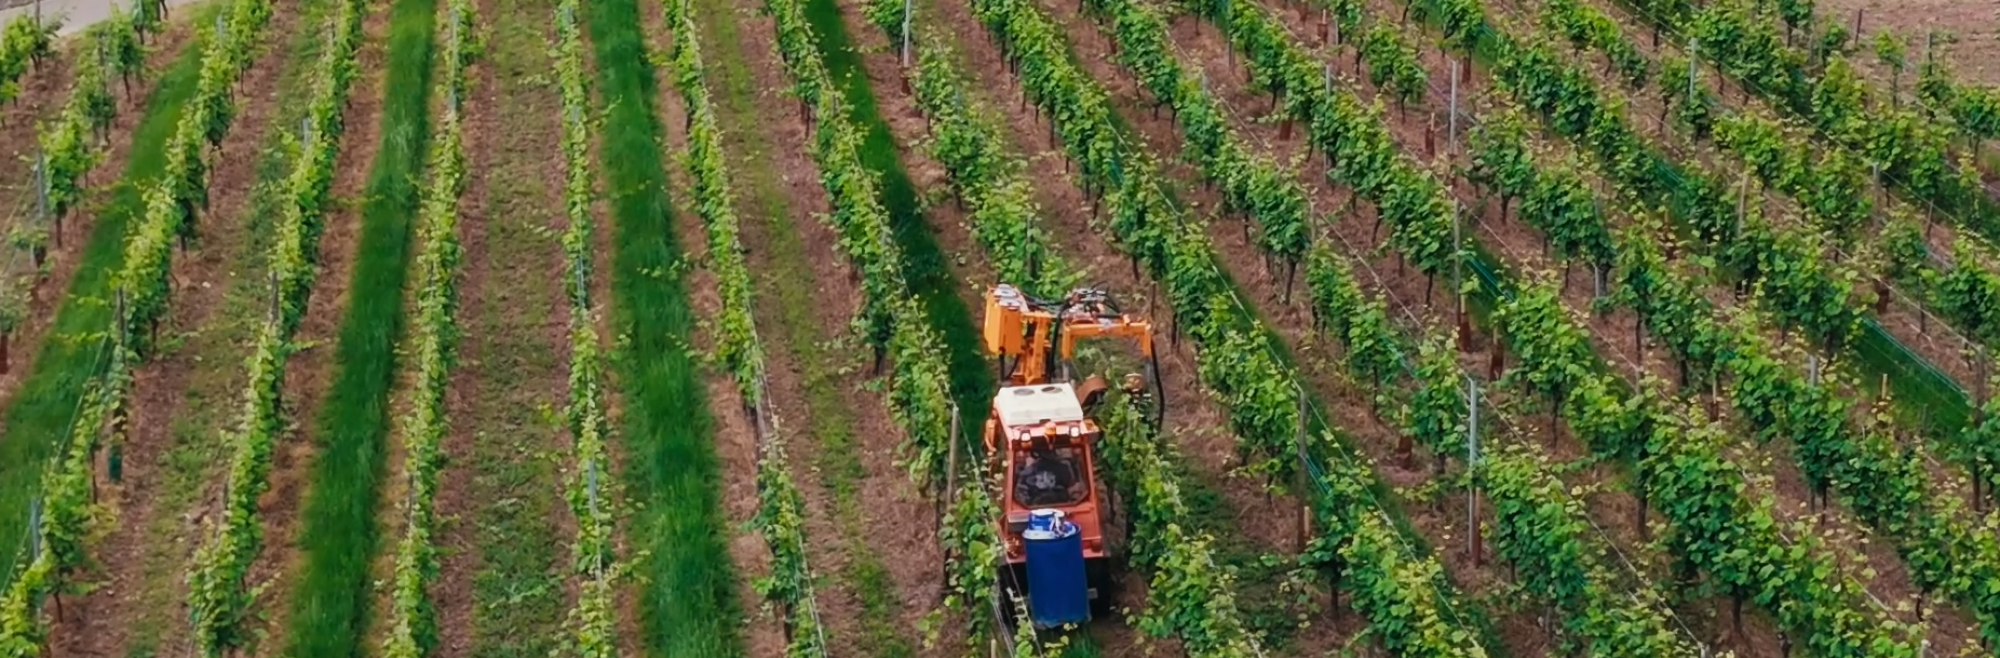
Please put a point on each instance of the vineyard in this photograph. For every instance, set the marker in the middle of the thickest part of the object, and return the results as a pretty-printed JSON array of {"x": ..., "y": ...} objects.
[{"x": 1458, "y": 328}]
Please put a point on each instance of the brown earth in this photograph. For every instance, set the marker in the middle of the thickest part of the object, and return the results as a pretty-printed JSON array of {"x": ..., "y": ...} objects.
[
  {"x": 1975, "y": 24},
  {"x": 309, "y": 372}
]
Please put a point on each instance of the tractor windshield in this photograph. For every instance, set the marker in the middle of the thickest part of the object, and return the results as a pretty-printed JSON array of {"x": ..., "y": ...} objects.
[{"x": 1051, "y": 478}]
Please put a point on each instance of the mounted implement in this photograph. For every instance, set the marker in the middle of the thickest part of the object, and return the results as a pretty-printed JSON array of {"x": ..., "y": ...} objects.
[{"x": 1042, "y": 436}]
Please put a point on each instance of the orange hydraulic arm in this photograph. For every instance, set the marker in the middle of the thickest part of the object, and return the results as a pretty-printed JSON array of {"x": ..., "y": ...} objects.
[{"x": 1024, "y": 329}]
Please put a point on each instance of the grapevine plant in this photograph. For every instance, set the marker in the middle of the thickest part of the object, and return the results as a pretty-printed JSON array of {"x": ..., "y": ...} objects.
[{"x": 24, "y": 42}]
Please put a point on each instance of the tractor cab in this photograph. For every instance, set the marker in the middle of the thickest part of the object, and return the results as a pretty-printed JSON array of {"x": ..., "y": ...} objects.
[{"x": 1044, "y": 439}]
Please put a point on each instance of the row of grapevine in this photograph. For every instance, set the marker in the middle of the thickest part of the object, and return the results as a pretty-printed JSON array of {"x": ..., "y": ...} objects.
[
  {"x": 966, "y": 139},
  {"x": 221, "y": 602},
  {"x": 780, "y": 515},
  {"x": 25, "y": 41},
  {"x": 1833, "y": 192},
  {"x": 1254, "y": 33},
  {"x": 71, "y": 145},
  {"x": 1252, "y": 184},
  {"x": 592, "y": 622},
  {"x": 1401, "y": 594},
  {"x": 890, "y": 318},
  {"x": 1408, "y": 197},
  {"x": 1884, "y": 485},
  {"x": 1974, "y": 109},
  {"x": 589, "y": 489},
  {"x": 413, "y": 626},
  {"x": 1189, "y": 597},
  {"x": 1556, "y": 198},
  {"x": 174, "y": 202},
  {"x": 69, "y": 485},
  {"x": 1584, "y": 26},
  {"x": 1538, "y": 527},
  {"x": 70, "y": 510},
  {"x": 1822, "y": 88}
]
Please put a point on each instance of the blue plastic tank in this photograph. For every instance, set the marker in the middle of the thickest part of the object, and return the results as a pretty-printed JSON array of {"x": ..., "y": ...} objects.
[{"x": 1058, "y": 590}]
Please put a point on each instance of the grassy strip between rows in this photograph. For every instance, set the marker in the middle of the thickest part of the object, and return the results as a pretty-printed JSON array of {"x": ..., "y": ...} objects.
[
  {"x": 687, "y": 600},
  {"x": 518, "y": 573},
  {"x": 330, "y": 605},
  {"x": 47, "y": 401}
]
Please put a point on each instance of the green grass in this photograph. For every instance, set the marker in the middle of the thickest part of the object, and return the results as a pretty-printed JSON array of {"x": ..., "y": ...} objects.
[
  {"x": 924, "y": 263},
  {"x": 214, "y": 389},
  {"x": 517, "y": 583},
  {"x": 329, "y": 605},
  {"x": 37, "y": 421},
  {"x": 687, "y": 600}
]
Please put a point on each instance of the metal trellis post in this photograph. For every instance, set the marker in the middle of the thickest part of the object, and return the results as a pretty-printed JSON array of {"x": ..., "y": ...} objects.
[
  {"x": 1472, "y": 462},
  {"x": 1453, "y": 119}
]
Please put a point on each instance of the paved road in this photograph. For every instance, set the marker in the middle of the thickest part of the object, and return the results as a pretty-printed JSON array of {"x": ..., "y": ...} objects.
[{"x": 76, "y": 14}]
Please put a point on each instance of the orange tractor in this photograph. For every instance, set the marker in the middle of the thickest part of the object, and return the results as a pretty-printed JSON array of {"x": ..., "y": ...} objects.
[{"x": 1042, "y": 436}]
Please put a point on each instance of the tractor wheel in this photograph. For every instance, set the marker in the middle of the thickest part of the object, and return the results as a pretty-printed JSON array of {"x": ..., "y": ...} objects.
[{"x": 1098, "y": 574}]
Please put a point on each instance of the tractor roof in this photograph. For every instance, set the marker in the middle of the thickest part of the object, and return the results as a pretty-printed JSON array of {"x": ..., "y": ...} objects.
[{"x": 1020, "y": 406}]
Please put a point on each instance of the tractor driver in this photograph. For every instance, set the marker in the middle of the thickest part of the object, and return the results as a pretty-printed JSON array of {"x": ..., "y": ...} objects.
[{"x": 1047, "y": 479}]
